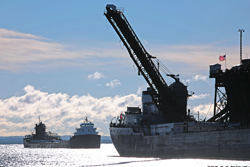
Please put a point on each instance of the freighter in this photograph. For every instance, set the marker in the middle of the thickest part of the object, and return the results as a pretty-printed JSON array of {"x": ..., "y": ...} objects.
[
  {"x": 162, "y": 127},
  {"x": 85, "y": 137},
  {"x": 43, "y": 139}
]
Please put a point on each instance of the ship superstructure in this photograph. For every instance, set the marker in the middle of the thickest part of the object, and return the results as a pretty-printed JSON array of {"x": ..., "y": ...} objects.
[
  {"x": 163, "y": 127},
  {"x": 43, "y": 139},
  {"x": 85, "y": 137},
  {"x": 86, "y": 128}
]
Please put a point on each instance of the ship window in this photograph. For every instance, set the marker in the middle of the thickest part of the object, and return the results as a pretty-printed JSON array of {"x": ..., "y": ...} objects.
[{"x": 88, "y": 130}]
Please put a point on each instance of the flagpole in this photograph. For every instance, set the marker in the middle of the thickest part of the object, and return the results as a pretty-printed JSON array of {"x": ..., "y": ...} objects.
[{"x": 226, "y": 61}]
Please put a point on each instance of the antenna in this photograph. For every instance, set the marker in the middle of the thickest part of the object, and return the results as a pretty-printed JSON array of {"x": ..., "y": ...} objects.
[{"x": 241, "y": 30}]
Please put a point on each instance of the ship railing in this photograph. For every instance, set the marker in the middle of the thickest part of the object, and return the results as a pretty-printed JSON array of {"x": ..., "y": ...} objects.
[
  {"x": 118, "y": 123},
  {"x": 138, "y": 134},
  {"x": 220, "y": 129},
  {"x": 28, "y": 136},
  {"x": 52, "y": 134}
]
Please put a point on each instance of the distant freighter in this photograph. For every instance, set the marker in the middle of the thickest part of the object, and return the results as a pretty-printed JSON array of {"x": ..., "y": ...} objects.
[
  {"x": 43, "y": 139},
  {"x": 85, "y": 137}
]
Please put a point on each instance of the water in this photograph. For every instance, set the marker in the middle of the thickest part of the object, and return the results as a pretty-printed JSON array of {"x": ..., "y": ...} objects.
[{"x": 15, "y": 155}]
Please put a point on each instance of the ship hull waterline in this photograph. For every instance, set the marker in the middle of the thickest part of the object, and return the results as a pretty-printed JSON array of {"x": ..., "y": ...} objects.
[
  {"x": 231, "y": 144},
  {"x": 63, "y": 144},
  {"x": 85, "y": 141},
  {"x": 80, "y": 141}
]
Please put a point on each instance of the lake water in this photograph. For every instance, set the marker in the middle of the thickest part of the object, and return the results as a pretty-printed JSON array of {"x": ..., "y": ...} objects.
[{"x": 15, "y": 155}]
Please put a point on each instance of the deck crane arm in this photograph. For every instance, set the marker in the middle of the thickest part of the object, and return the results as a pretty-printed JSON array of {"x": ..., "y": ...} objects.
[{"x": 143, "y": 60}]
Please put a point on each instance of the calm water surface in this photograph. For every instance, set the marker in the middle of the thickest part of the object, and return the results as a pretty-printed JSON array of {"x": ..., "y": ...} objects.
[{"x": 16, "y": 155}]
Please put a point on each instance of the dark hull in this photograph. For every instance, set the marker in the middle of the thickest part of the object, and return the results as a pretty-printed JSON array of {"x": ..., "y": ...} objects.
[
  {"x": 61, "y": 144},
  {"x": 85, "y": 141},
  {"x": 233, "y": 144},
  {"x": 236, "y": 82},
  {"x": 238, "y": 95}
]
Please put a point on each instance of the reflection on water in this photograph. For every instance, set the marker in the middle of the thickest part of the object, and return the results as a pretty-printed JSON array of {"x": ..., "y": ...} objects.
[{"x": 17, "y": 155}]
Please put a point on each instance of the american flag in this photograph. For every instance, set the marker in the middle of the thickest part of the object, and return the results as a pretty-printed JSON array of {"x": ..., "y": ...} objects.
[{"x": 222, "y": 58}]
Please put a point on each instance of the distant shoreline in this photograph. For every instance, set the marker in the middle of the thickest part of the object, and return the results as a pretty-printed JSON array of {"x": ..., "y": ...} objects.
[{"x": 19, "y": 139}]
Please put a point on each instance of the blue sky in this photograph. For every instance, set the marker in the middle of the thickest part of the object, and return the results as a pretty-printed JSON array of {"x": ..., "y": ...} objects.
[{"x": 63, "y": 61}]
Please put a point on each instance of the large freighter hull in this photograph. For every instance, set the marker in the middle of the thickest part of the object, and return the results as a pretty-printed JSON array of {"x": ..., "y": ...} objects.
[
  {"x": 232, "y": 144},
  {"x": 85, "y": 141},
  {"x": 63, "y": 144}
]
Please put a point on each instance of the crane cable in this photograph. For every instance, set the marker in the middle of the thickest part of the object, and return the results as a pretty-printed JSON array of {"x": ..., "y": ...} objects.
[
  {"x": 161, "y": 66},
  {"x": 208, "y": 111}
]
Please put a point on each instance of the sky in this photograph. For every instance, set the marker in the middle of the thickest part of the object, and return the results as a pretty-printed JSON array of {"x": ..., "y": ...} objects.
[{"x": 62, "y": 61}]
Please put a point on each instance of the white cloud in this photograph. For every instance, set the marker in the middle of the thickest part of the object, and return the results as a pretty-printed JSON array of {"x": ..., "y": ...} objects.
[
  {"x": 113, "y": 83},
  {"x": 29, "y": 88},
  {"x": 13, "y": 34},
  {"x": 201, "y": 96},
  {"x": 200, "y": 77},
  {"x": 142, "y": 88},
  {"x": 186, "y": 81},
  {"x": 60, "y": 112},
  {"x": 96, "y": 76},
  {"x": 205, "y": 111},
  {"x": 193, "y": 58},
  {"x": 21, "y": 51}
]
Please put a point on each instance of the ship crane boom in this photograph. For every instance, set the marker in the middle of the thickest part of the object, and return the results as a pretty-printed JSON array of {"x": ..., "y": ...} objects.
[{"x": 164, "y": 98}]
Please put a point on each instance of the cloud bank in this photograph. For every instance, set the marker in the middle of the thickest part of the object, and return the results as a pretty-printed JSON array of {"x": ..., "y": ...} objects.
[
  {"x": 20, "y": 51},
  {"x": 60, "y": 112}
]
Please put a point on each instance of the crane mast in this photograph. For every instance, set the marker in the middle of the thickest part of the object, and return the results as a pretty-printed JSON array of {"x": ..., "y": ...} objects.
[{"x": 165, "y": 99}]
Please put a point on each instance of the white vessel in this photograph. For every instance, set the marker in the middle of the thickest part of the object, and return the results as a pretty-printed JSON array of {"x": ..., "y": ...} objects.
[{"x": 85, "y": 137}]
